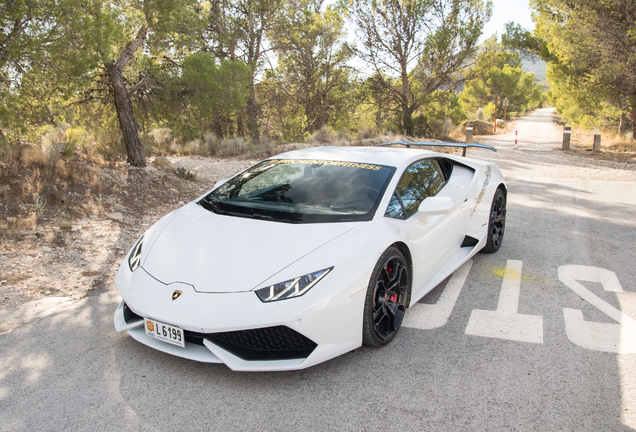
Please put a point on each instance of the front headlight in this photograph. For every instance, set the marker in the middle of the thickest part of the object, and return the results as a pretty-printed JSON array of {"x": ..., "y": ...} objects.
[
  {"x": 291, "y": 288},
  {"x": 134, "y": 260}
]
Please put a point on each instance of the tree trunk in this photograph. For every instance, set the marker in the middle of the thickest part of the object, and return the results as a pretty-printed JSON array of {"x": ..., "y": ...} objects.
[
  {"x": 407, "y": 119},
  {"x": 324, "y": 111},
  {"x": 230, "y": 127},
  {"x": 633, "y": 121},
  {"x": 622, "y": 126},
  {"x": 252, "y": 113},
  {"x": 216, "y": 124},
  {"x": 127, "y": 122},
  {"x": 240, "y": 128}
]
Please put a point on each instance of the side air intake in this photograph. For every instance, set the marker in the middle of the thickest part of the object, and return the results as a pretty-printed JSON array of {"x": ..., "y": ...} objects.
[{"x": 469, "y": 242}]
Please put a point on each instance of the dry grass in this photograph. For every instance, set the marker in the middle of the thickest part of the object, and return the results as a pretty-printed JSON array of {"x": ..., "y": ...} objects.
[
  {"x": 109, "y": 146},
  {"x": 323, "y": 135},
  {"x": 365, "y": 134},
  {"x": 502, "y": 124},
  {"x": 65, "y": 225},
  {"x": 21, "y": 223},
  {"x": 610, "y": 142},
  {"x": 194, "y": 147},
  {"x": 32, "y": 155},
  {"x": 56, "y": 135},
  {"x": 161, "y": 142},
  {"x": 54, "y": 194},
  {"x": 618, "y": 144},
  {"x": 447, "y": 128},
  {"x": 613, "y": 147},
  {"x": 342, "y": 137},
  {"x": 239, "y": 147},
  {"x": 227, "y": 147},
  {"x": 35, "y": 183}
]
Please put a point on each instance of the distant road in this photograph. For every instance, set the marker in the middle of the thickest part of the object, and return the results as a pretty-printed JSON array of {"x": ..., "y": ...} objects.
[{"x": 535, "y": 131}]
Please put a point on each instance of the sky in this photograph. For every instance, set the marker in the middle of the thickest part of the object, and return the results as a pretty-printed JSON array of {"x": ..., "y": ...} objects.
[
  {"x": 503, "y": 11},
  {"x": 508, "y": 10}
]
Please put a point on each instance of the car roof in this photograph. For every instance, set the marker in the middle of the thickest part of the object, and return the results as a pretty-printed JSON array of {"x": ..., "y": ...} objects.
[{"x": 369, "y": 155}]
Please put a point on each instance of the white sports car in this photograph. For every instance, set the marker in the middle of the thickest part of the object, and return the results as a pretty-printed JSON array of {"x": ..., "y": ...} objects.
[{"x": 307, "y": 255}]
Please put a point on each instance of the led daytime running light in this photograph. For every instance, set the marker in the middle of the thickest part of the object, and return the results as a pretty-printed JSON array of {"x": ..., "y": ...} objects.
[
  {"x": 291, "y": 288},
  {"x": 134, "y": 260}
]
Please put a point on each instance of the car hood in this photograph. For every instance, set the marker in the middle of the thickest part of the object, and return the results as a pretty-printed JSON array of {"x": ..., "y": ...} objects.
[{"x": 220, "y": 254}]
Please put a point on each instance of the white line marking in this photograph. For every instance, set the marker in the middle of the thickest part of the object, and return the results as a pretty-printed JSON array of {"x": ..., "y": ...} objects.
[
  {"x": 426, "y": 316},
  {"x": 506, "y": 322},
  {"x": 606, "y": 337}
]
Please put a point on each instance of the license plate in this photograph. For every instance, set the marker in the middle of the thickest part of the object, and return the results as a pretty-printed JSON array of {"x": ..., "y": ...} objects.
[{"x": 165, "y": 332}]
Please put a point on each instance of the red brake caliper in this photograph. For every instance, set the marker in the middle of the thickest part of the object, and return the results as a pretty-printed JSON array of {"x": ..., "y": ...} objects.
[{"x": 394, "y": 297}]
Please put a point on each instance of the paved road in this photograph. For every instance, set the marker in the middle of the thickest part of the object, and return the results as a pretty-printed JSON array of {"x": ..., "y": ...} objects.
[
  {"x": 533, "y": 132},
  {"x": 526, "y": 339}
]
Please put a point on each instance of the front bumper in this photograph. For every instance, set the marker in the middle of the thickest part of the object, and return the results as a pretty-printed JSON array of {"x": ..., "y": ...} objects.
[
  {"x": 202, "y": 350},
  {"x": 322, "y": 324}
]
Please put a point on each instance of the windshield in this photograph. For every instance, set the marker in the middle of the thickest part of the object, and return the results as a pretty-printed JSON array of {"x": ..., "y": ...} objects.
[{"x": 303, "y": 191}]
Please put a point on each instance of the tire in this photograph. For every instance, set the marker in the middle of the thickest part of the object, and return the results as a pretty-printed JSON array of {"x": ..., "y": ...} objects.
[
  {"x": 386, "y": 300},
  {"x": 496, "y": 223}
]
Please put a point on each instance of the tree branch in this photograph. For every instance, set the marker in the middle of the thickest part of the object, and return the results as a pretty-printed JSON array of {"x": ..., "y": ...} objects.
[
  {"x": 131, "y": 48},
  {"x": 139, "y": 84}
]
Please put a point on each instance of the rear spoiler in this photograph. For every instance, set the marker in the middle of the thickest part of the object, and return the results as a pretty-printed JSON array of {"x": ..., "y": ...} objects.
[{"x": 439, "y": 144}]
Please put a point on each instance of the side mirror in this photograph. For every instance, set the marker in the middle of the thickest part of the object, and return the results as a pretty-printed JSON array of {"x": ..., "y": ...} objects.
[
  {"x": 432, "y": 206},
  {"x": 219, "y": 183}
]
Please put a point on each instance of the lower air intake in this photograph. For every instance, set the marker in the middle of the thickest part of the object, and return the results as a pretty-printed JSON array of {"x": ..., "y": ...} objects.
[
  {"x": 130, "y": 316},
  {"x": 270, "y": 343}
]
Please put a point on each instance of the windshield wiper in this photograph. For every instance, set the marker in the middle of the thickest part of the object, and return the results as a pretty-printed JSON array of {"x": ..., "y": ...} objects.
[
  {"x": 212, "y": 205},
  {"x": 209, "y": 205}
]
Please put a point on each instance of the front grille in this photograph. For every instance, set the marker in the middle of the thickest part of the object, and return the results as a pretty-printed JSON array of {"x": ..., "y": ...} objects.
[{"x": 270, "y": 343}]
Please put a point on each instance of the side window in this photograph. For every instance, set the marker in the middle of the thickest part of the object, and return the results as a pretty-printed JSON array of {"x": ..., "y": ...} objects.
[
  {"x": 422, "y": 179},
  {"x": 395, "y": 209}
]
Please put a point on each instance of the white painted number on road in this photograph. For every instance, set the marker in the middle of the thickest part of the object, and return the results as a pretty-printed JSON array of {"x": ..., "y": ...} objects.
[
  {"x": 607, "y": 337},
  {"x": 506, "y": 322},
  {"x": 427, "y": 316}
]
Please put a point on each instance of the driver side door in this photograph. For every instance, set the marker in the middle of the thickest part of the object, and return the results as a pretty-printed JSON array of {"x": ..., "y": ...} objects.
[{"x": 431, "y": 241}]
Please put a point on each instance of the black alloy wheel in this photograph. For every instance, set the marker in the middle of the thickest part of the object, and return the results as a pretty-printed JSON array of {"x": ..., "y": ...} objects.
[
  {"x": 386, "y": 299},
  {"x": 497, "y": 223}
]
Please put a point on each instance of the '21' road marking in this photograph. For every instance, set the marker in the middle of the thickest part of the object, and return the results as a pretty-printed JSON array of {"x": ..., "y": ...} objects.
[{"x": 507, "y": 323}]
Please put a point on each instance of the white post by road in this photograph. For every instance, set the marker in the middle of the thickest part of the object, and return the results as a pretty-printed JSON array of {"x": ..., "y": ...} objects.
[{"x": 567, "y": 133}]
